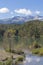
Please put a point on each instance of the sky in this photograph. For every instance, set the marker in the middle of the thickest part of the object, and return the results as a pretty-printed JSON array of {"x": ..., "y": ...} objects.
[{"x": 11, "y": 8}]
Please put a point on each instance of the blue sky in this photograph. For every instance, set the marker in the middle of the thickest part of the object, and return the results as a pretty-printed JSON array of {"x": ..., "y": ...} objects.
[{"x": 10, "y": 8}]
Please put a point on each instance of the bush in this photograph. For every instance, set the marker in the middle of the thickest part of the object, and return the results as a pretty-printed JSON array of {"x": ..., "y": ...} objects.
[
  {"x": 41, "y": 53},
  {"x": 35, "y": 51},
  {"x": 9, "y": 61},
  {"x": 7, "y": 50},
  {"x": 19, "y": 59},
  {"x": 38, "y": 51}
]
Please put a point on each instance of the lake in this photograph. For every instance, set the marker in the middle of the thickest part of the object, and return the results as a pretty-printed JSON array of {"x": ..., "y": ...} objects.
[{"x": 32, "y": 60}]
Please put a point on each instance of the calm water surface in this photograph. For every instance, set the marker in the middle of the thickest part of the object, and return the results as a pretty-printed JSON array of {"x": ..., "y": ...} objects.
[{"x": 33, "y": 60}]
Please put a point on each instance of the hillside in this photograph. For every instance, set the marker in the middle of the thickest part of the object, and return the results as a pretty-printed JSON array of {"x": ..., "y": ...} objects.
[{"x": 27, "y": 33}]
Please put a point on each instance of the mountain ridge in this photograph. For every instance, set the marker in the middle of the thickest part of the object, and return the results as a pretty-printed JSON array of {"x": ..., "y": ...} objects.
[{"x": 20, "y": 19}]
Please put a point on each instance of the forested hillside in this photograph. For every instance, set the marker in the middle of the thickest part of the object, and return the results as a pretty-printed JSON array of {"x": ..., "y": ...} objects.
[
  {"x": 28, "y": 32},
  {"x": 26, "y": 29}
]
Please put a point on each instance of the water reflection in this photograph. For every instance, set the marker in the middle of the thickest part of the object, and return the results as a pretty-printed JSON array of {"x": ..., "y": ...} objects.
[{"x": 28, "y": 59}]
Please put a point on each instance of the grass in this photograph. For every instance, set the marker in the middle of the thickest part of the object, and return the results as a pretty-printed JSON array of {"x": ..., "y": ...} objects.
[
  {"x": 38, "y": 51},
  {"x": 1, "y": 63}
]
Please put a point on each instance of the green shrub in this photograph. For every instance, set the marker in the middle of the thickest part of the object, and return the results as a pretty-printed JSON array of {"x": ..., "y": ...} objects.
[
  {"x": 41, "y": 53},
  {"x": 35, "y": 51},
  {"x": 19, "y": 59},
  {"x": 38, "y": 51},
  {"x": 9, "y": 62},
  {"x": 7, "y": 50}
]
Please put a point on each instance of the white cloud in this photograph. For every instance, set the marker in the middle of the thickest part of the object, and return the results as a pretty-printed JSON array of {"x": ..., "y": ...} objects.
[
  {"x": 37, "y": 12},
  {"x": 11, "y": 13},
  {"x": 23, "y": 11},
  {"x": 4, "y": 10},
  {"x": 12, "y": 16}
]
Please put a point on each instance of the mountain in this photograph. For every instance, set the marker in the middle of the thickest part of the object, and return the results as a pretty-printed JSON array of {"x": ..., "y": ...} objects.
[
  {"x": 20, "y": 19},
  {"x": 38, "y": 17}
]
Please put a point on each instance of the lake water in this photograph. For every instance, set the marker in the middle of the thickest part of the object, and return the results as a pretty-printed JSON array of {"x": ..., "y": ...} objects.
[{"x": 33, "y": 60}]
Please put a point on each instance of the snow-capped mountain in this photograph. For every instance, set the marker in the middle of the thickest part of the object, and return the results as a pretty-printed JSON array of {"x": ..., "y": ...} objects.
[
  {"x": 20, "y": 19},
  {"x": 38, "y": 18}
]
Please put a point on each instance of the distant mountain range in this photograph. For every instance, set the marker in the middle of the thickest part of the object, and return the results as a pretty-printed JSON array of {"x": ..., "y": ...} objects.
[{"x": 20, "y": 19}]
